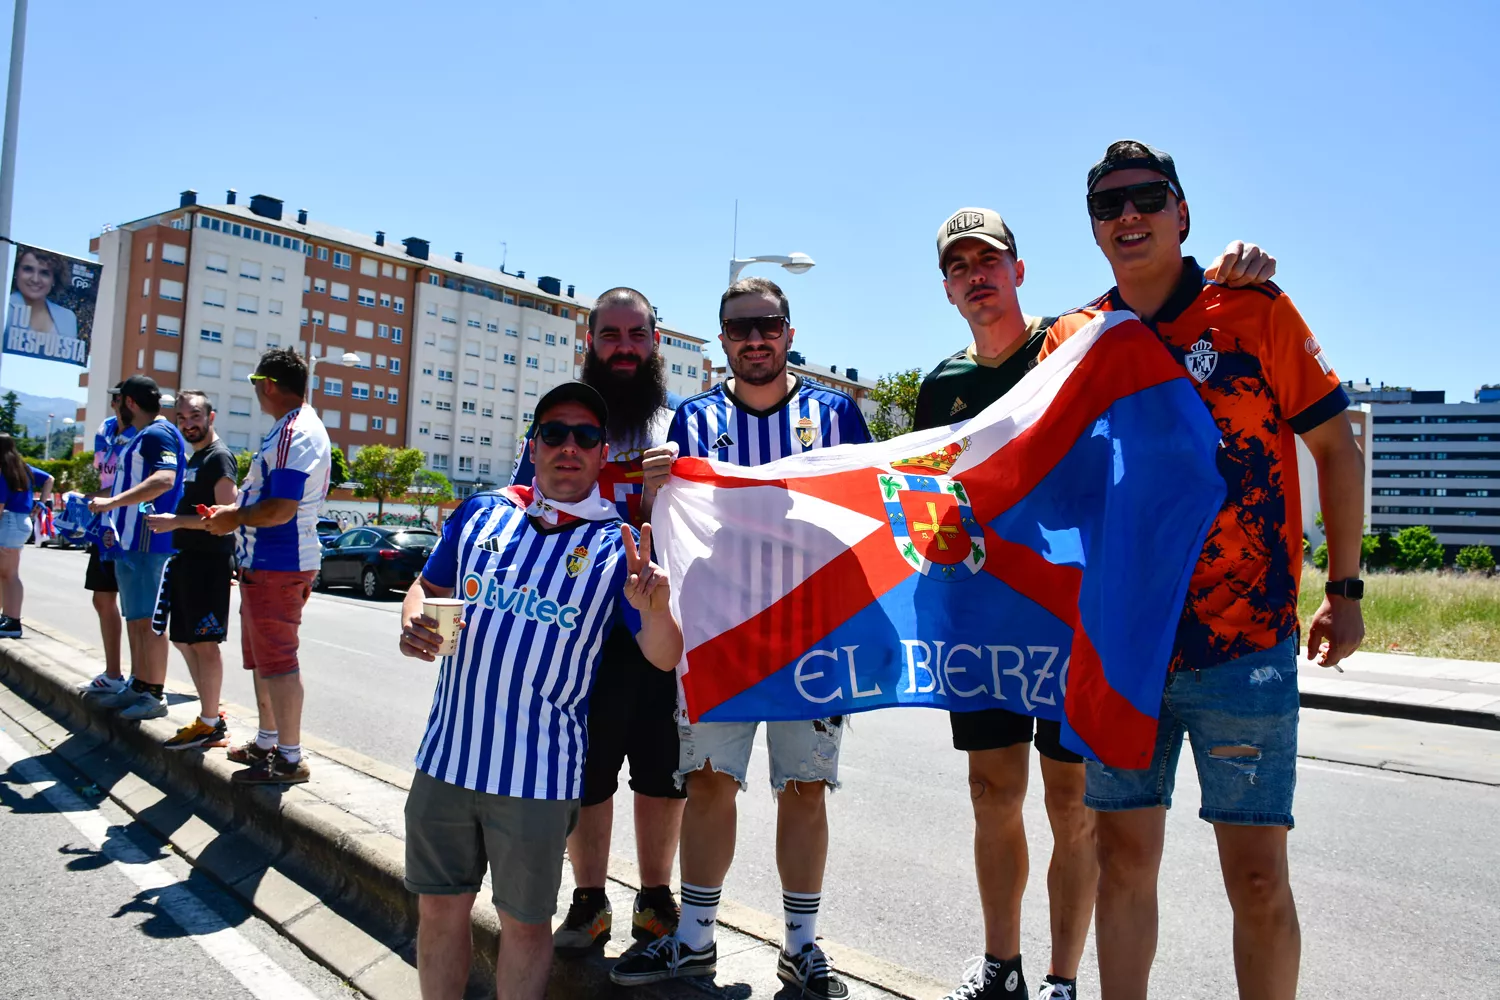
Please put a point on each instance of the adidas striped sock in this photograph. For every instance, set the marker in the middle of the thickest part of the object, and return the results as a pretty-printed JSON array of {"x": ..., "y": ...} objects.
[
  {"x": 266, "y": 739},
  {"x": 700, "y": 915},
  {"x": 801, "y": 919}
]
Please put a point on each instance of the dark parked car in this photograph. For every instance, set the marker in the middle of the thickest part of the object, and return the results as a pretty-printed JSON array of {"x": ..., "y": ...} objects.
[{"x": 375, "y": 559}]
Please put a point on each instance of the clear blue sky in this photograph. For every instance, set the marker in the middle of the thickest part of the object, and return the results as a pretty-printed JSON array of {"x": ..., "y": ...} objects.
[{"x": 606, "y": 144}]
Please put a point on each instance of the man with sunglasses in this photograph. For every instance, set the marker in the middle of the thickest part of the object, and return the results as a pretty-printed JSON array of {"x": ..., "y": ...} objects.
[
  {"x": 981, "y": 275},
  {"x": 545, "y": 571},
  {"x": 279, "y": 555},
  {"x": 633, "y": 707},
  {"x": 762, "y": 413},
  {"x": 1233, "y": 685}
]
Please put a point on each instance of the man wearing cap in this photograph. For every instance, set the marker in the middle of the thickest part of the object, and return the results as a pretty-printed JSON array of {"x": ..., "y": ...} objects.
[
  {"x": 148, "y": 481},
  {"x": 276, "y": 518},
  {"x": 1233, "y": 680},
  {"x": 99, "y": 577},
  {"x": 633, "y": 710},
  {"x": 544, "y": 571},
  {"x": 981, "y": 274}
]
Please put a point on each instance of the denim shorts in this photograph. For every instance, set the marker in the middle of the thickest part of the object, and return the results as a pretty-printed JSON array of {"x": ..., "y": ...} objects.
[
  {"x": 139, "y": 575},
  {"x": 799, "y": 751},
  {"x": 15, "y": 528},
  {"x": 1249, "y": 702}
]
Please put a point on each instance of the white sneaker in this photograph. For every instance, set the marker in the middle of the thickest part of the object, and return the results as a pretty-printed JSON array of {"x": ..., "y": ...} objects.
[{"x": 103, "y": 684}]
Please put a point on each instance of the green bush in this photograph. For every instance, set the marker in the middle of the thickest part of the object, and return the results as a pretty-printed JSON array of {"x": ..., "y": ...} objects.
[
  {"x": 1320, "y": 556},
  {"x": 1418, "y": 548},
  {"x": 1378, "y": 551},
  {"x": 1476, "y": 558}
]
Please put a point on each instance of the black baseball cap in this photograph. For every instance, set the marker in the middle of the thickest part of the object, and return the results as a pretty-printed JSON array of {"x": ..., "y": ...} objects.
[
  {"x": 575, "y": 392},
  {"x": 139, "y": 389},
  {"x": 1128, "y": 154}
]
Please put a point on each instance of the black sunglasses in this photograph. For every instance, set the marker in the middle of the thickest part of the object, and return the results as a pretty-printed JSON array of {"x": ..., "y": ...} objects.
[
  {"x": 770, "y": 327},
  {"x": 1148, "y": 199},
  {"x": 554, "y": 433}
]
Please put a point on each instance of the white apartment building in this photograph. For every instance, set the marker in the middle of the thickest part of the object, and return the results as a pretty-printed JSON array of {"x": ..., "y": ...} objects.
[{"x": 1437, "y": 464}]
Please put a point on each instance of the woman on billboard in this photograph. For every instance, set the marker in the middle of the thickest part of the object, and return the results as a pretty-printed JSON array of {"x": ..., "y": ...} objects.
[{"x": 37, "y": 274}]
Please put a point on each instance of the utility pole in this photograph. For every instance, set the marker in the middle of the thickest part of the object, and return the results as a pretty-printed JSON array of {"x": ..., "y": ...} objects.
[{"x": 12, "y": 123}]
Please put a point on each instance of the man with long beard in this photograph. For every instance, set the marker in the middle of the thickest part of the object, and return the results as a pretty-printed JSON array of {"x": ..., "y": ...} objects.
[{"x": 632, "y": 707}]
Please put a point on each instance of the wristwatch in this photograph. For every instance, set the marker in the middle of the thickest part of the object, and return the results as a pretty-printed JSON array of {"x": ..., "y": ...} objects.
[{"x": 1351, "y": 589}]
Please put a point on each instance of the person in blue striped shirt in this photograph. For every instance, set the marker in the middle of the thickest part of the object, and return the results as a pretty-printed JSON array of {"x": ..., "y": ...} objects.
[
  {"x": 544, "y": 572},
  {"x": 148, "y": 481},
  {"x": 99, "y": 576},
  {"x": 763, "y": 413}
]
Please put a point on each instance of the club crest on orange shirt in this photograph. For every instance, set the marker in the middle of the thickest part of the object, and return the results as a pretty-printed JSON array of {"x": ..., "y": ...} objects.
[{"x": 1202, "y": 360}]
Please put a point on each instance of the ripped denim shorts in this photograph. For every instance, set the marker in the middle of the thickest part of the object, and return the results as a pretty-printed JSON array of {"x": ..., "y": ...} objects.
[
  {"x": 1241, "y": 717},
  {"x": 799, "y": 751}
]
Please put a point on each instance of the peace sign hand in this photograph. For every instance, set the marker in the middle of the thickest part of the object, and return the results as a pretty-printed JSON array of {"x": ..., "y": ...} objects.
[{"x": 646, "y": 586}]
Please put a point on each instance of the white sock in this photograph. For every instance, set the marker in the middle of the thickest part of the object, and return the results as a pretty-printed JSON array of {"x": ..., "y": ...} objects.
[
  {"x": 801, "y": 910},
  {"x": 290, "y": 752},
  {"x": 700, "y": 915},
  {"x": 209, "y": 720},
  {"x": 265, "y": 739}
]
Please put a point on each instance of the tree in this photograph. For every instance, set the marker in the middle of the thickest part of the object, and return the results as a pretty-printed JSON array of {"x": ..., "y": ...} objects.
[
  {"x": 242, "y": 467},
  {"x": 9, "y": 405},
  {"x": 428, "y": 489},
  {"x": 1418, "y": 548},
  {"x": 1378, "y": 551},
  {"x": 383, "y": 472},
  {"x": 340, "y": 473},
  {"x": 1320, "y": 556},
  {"x": 1476, "y": 558},
  {"x": 896, "y": 395}
]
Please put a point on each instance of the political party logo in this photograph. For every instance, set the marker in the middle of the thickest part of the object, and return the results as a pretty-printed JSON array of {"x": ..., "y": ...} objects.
[
  {"x": 1202, "y": 360},
  {"x": 807, "y": 431},
  {"x": 577, "y": 560},
  {"x": 933, "y": 525}
]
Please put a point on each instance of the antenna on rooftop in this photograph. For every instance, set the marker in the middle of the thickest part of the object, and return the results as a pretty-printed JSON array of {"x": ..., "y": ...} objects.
[
  {"x": 735, "y": 252},
  {"x": 504, "y": 253}
]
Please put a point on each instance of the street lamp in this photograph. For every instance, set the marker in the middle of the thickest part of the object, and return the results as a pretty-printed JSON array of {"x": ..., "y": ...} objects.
[
  {"x": 796, "y": 263},
  {"x": 348, "y": 360},
  {"x": 47, "y": 444}
]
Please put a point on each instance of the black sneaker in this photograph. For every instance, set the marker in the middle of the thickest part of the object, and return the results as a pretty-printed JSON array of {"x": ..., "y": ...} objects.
[
  {"x": 986, "y": 979},
  {"x": 811, "y": 972},
  {"x": 656, "y": 914},
  {"x": 10, "y": 628},
  {"x": 664, "y": 958},
  {"x": 1058, "y": 989},
  {"x": 274, "y": 769},
  {"x": 587, "y": 925}
]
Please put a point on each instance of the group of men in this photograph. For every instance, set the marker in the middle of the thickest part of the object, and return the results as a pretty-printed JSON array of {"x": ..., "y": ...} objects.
[
  {"x": 548, "y": 695},
  {"x": 175, "y": 530}
]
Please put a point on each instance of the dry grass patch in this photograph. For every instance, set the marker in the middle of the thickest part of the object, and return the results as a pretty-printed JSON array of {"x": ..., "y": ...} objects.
[{"x": 1454, "y": 615}]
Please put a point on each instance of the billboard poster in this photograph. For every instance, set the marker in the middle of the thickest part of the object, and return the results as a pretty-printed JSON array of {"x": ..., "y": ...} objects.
[{"x": 51, "y": 311}]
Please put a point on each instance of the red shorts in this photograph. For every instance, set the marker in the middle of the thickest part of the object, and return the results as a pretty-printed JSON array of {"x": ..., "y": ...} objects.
[{"x": 270, "y": 613}]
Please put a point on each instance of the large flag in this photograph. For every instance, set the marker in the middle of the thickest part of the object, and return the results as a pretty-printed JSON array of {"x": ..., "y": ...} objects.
[{"x": 1034, "y": 558}]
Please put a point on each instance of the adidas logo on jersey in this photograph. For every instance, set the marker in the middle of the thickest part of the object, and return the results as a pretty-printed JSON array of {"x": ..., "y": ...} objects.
[
  {"x": 958, "y": 406},
  {"x": 523, "y": 601},
  {"x": 723, "y": 441}
]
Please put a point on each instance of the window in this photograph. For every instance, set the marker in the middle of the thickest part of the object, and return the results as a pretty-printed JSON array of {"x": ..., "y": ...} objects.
[
  {"x": 484, "y": 467},
  {"x": 342, "y": 261},
  {"x": 510, "y": 359},
  {"x": 332, "y": 419},
  {"x": 383, "y": 331},
  {"x": 562, "y": 340},
  {"x": 273, "y": 306},
  {"x": 317, "y": 317},
  {"x": 396, "y": 335},
  {"x": 531, "y": 387},
  {"x": 395, "y": 366},
  {"x": 250, "y": 269},
  {"x": 239, "y": 406},
  {"x": 489, "y": 411},
  {"x": 424, "y": 430},
  {"x": 247, "y": 304},
  {"x": 143, "y": 326},
  {"x": 444, "y": 405},
  {"x": 489, "y": 380},
  {"x": 358, "y": 422},
  {"x": 473, "y": 320},
  {"x": 441, "y": 435},
  {"x": 426, "y": 400},
  {"x": 367, "y": 297},
  {"x": 394, "y": 397},
  {"x": 492, "y": 327},
  {"x": 450, "y": 315},
  {"x": 390, "y": 426},
  {"x": 400, "y": 274},
  {"x": 551, "y": 365},
  {"x": 377, "y": 423},
  {"x": 385, "y": 269},
  {"x": 238, "y": 440},
  {"x": 528, "y": 416},
  {"x": 320, "y": 285},
  {"x": 169, "y": 326},
  {"x": 509, "y": 389},
  {"x": 440, "y": 463},
  {"x": 491, "y": 352},
  {"x": 469, "y": 406},
  {"x": 471, "y": 348},
  {"x": 552, "y": 339},
  {"x": 531, "y": 362},
  {"x": 217, "y": 262},
  {"x": 533, "y": 333},
  {"x": 146, "y": 289},
  {"x": 272, "y": 340},
  {"x": 244, "y": 338},
  {"x": 369, "y": 266},
  {"x": 211, "y": 332},
  {"x": 150, "y": 249},
  {"x": 676, "y": 369},
  {"x": 339, "y": 292},
  {"x": 278, "y": 274},
  {"x": 337, "y": 323},
  {"x": 165, "y": 361},
  {"x": 208, "y": 367},
  {"x": 364, "y": 328},
  {"x": 380, "y": 392},
  {"x": 364, "y": 360},
  {"x": 215, "y": 297},
  {"x": 448, "y": 345},
  {"x": 171, "y": 253},
  {"x": 692, "y": 371},
  {"x": 380, "y": 361},
  {"x": 471, "y": 377},
  {"x": 445, "y": 374},
  {"x": 466, "y": 435},
  {"x": 385, "y": 300},
  {"x": 511, "y": 333},
  {"x": 465, "y": 463},
  {"x": 485, "y": 440},
  {"x": 333, "y": 386},
  {"x": 140, "y": 357},
  {"x": 426, "y": 369},
  {"x": 240, "y": 371},
  {"x": 400, "y": 302}
]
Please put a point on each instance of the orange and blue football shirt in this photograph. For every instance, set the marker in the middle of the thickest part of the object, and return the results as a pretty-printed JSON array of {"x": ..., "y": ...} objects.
[{"x": 1264, "y": 378}]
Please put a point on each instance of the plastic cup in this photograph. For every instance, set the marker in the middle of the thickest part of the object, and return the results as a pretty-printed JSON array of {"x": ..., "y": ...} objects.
[{"x": 448, "y": 612}]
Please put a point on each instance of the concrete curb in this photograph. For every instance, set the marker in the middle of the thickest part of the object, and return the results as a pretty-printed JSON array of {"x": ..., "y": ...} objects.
[{"x": 1400, "y": 710}]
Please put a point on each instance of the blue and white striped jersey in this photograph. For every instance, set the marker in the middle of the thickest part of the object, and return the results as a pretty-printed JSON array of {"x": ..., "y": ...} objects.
[
  {"x": 157, "y": 446},
  {"x": 714, "y": 424},
  {"x": 509, "y": 713},
  {"x": 294, "y": 463},
  {"x": 109, "y": 444}
]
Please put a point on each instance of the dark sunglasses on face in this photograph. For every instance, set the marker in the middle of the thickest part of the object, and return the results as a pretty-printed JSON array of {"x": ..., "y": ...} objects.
[
  {"x": 770, "y": 327},
  {"x": 554, "y": 433},
  {"x": 1148, "y": 199}
]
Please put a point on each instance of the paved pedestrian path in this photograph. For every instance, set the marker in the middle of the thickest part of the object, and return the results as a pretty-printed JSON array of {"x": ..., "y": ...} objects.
[{"x": 1465, "y": 692}]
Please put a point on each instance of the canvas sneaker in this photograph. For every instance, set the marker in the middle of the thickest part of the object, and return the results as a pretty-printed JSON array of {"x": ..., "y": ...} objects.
[
  {"x": 664, "y": 958},
  {"x": 1055, "y": 989},
  {"x": 101, "y": 685},
  {"x": 273, "y": 770},
  {"x": 144, "y": 705},
  {"x": 983, "y": 980},
  {"x": 248, "y": 752},
  {"x": 587, "y": 924},
  {"x": 10, "y": 628},
  {"x": 656, "y": 914},
  {"x": 197, "y": 736},
  {"x": 811, "y": 973}
]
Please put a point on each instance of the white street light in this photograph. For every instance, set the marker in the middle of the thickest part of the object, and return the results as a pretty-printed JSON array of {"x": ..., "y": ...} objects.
[
  {"x": 796, "y": 263},
  {"x": 349, "y": 359}
]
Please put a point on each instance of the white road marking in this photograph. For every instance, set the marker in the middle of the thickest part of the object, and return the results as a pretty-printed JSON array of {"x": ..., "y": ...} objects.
[
  {"x": 1351, "y": 772},
  {"x": 252, "y": 967}
]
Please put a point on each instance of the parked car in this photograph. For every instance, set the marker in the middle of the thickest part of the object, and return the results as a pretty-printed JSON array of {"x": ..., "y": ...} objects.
[
  {"x": 375, "y": 559},
  {"x": 328, "y": 529}
]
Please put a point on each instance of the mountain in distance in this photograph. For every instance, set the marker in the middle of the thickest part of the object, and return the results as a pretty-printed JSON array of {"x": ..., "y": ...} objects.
[{"x": 32, "y": 413}]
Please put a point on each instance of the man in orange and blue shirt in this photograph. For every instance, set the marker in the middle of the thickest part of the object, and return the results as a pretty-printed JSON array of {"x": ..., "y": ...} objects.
[{"x": 1233, "y": 686}]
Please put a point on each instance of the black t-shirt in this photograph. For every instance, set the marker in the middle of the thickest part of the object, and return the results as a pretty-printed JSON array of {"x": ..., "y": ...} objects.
[
  {"x": 205, "y": 468},
  {"x": 962, "y": 385}
]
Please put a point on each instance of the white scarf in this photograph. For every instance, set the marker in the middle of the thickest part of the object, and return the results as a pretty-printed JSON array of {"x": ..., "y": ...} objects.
[{"x": 591, "y": 508}]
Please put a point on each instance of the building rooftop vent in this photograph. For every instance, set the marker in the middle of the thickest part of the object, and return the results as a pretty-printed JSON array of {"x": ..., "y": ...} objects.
[
  {"x": 458, "y": 255},
  {"x": 570, "y": 291},
  {"x": 189, "y": 198},
  {"x": 379, "y": 238},
  {"x": 416, "y": 247},
  {"x": 549, "y": 284},
  {"x": 301, "y": 216},
  {"x": 265, "y": 206},
  {"x": 229, "y": 197}
]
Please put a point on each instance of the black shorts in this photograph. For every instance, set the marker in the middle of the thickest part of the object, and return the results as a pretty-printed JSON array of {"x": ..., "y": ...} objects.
[
  {"x": 632, "y": 714},
  {"x": 100, "y": 575},
  {"x": 995, "y": 729},
  {"x": 197, "y": 596}
]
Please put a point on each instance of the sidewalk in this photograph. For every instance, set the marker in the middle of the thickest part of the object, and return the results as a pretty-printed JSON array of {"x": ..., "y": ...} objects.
[
  {"x": 323, "y": 861},
  {"x": 1421, "y": 688}
]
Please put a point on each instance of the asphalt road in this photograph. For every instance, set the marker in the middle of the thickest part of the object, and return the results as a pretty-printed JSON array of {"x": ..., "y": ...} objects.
[{"x": 1397, "y": 874}]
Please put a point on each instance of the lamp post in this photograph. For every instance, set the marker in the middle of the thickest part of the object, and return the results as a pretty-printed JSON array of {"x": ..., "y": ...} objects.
[
  {"x": 349, "y": 359},
  {"x": 796, "y": 263},
  {"x": 47, "y": 441}
]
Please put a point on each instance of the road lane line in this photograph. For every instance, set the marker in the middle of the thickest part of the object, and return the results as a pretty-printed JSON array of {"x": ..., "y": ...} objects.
[
  {"x": 1352, "y": 772},
  {"x": 252, "y": 967}
]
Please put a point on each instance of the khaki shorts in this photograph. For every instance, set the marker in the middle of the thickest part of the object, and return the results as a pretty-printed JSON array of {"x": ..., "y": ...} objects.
[{"x": 452, "y": 833}]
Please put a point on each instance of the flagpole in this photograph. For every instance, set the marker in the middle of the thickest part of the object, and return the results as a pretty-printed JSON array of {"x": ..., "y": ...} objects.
[{"x": 12, "y": 123}]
